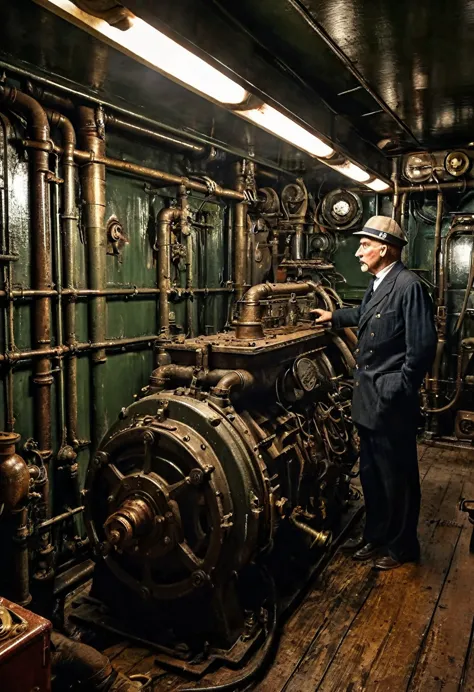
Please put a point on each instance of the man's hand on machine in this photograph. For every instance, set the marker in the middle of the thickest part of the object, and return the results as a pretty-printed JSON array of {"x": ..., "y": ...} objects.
[{"x": 321, "y": 316}]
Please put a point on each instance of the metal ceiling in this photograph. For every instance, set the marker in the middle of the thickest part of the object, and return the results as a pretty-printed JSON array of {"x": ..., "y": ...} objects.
[
  {"x": 415, "y": 56},
  {"x": 359, "y": 71}
]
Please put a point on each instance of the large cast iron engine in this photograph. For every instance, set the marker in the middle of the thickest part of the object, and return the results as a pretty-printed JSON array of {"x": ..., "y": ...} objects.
[{"x": 240, "y": 449}]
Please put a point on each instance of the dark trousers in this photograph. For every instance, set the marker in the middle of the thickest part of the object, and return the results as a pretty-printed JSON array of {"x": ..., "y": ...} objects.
[{"x": 391, "y": 485}]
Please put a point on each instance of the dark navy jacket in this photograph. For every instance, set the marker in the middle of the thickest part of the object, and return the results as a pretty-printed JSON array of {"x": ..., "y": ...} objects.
[{"x": 396, "y": 347}]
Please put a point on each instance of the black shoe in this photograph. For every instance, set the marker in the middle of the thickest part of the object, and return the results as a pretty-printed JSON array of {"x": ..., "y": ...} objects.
[
  {"x": 388, "y": 562},
  {"x": 367, "y": 552},
  {"x": 352, "y": 544}
]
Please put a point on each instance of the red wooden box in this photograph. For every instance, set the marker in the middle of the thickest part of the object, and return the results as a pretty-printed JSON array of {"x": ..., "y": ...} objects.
[{"x": 25, "y": 664}]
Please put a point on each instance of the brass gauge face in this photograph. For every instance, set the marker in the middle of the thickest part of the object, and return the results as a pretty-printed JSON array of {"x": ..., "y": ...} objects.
[
  {"x": 457, "y": 163},
  {"x": 418, "y": 167},
  {"x": 341, "y": 209}
]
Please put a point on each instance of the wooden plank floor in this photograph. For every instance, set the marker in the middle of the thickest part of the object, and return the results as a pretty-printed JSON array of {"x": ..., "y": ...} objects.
[{"x": 411, "y": 629}]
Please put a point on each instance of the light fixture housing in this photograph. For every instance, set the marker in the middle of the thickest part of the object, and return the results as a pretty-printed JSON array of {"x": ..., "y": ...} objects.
[
  {"x": 156, "y": 50},
  {"x": 378, "y": 185},
  {"x": 350, "y": 170},
  {"x": 151, "y": 47},
  {"x": 268, "y": 118}
]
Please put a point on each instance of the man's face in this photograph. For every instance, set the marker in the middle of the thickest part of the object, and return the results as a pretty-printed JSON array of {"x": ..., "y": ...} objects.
[{"x": 371, "y": 255}]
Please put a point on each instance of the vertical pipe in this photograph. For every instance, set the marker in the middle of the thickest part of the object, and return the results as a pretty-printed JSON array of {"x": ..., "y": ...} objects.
[
  {"x": 92, "y": 139},
  {"x": 69, "y": 220},
  {"x": 7, "y": 277},
  {"x": 21, "y": 593},
  {"x": 396, "y": 194},
  {"x": 41, "y": 252},
  {"x": 163, "y": 246},
  {"x": 188, "y": 239},
  {"x": 438, "y": 266},
  {"x": 240, "y": 232}
]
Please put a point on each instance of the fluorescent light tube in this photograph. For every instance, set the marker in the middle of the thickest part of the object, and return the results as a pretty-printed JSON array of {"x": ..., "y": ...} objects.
[
  {"x": 378, "y": 185},
  {"x": 351, "y": 171},
  {"x": 154, "y": 49},
  {"x": 278, "y": 124}
]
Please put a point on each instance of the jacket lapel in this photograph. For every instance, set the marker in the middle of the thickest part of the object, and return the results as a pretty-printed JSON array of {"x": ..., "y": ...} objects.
[{"x": 384, "y": 289}]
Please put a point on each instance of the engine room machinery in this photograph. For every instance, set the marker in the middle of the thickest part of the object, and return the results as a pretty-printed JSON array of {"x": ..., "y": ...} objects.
[{"x": 236, "y": 456}]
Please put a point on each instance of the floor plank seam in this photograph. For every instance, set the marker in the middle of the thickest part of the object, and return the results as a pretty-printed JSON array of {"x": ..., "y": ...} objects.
[
  {"x": 303, "y": 656},
  {"x": 348, "y": 629},
  {"x": 426, "y": 632},
  {"x": 466, "y": 659}
]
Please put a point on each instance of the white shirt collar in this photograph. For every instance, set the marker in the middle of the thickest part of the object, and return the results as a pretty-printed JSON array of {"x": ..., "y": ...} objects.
[{"x": 382, "y": 274}]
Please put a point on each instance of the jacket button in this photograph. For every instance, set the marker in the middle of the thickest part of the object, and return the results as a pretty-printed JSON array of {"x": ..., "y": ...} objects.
[
  {"x": 357, "y": 384},
  {"x": 357, "y": 350},
  {"x": 366, "y": 367},
  {"x": 372, "y": 334},
  {"x": 357, "y": 367},
  {"x": 371, "y": 350}
]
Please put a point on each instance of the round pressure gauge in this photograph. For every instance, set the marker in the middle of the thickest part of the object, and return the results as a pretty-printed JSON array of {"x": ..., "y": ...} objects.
[
  {"x": 341, "y": 209},
  {"x": 418, "y": 167},
  {"x": 457, "y": 163}
]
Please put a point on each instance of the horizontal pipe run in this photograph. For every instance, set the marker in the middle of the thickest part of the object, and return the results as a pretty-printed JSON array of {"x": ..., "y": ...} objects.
[
  {"x": 91, "y": 98},
  {"x": 84, "y": 292},
  {"x": 88, "y": 157},
  {"x": 59, "y": 351},
  {"x": 9, "y": 258},
  {"x": 155, "y": 136},
  {"x": 46, "y": 525},
  {"x": 451, "y": 185}
]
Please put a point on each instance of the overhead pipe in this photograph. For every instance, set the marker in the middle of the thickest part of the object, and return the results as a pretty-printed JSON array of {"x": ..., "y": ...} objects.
[
  {"x": 249, "y": 325},
  {"x": 92, "y": 173},
  {"x": 136, "y": 170},
  {"x": 92, "y": 98},
  {"x": 69, "y": 228},
  {"x": 41, "y": 252}
]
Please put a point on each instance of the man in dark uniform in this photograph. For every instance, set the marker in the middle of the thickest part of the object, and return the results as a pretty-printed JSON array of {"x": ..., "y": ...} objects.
[{"x": 396, "y": 346}]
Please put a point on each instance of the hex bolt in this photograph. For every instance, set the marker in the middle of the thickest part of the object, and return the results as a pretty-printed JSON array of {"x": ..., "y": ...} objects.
[
  {"x": 148, "y": 437},
  {"x": 166, "y": 540},
  {"x": 186, "y": 438}
]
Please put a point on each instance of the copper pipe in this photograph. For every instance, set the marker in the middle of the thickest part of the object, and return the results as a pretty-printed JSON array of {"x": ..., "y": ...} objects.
[
  {"x": 21, "y": 582},
  {"x": 457, "y": 394},
  {"x": 66, "y": 104},
  {"x": 233, "y": 380},
  {"x": 437, "y": 246},
  {"x": 187, "y": 239},
  {"x": 424, "y": 187},
  {"x": 163, "y": 245},
  {"x": 8, "y": 276},
  {"x": 117, "y": 123},
  {"x": 249, "y": 325},
  {"x": 46, "y": 525},
  {"x": 41, "y": 251},
  {"x": 59, "y": 351},
  {"x": 396, "y": 191},
  {"x": 135, "y": 169},
  {"x": 162, "y": 376},
  {"x": 69, "y": 221},
  {"x": 111, "y": 292},
  {"x": 93, "y": 193},
  {"x": 240, "y": 236}
]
